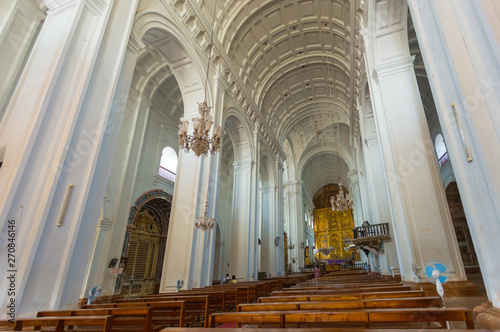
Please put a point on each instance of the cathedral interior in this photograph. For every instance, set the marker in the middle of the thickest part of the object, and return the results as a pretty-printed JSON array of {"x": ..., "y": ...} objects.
[{"x": 156, "y": 146}]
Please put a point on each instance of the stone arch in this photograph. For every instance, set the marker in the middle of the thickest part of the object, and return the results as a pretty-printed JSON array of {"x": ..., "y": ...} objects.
[
  {"x": 239, "y": 132},
  {"x": 144, "y": 244},
  {"x": 182, "y": 59},
  {"x": 240, "y": 221}
]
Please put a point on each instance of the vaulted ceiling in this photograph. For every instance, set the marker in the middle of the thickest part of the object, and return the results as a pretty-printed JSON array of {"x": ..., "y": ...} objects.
[{"x": 296, "y": 60}]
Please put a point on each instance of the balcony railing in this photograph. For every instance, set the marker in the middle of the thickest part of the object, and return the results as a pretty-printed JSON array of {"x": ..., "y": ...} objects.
[
  {"x": 372, "y": 230},
  {"x": 443, "y": 160},
  {"x": 166, "y": 174}
]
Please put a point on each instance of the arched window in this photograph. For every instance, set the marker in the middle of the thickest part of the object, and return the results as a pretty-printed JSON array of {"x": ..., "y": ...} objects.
[
  {"x": 168, "y": 164},
  {"x": 441, "y": 151}
]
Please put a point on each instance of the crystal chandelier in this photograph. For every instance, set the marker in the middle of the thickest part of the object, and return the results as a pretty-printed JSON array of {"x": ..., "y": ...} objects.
[
  {"x": 200, "y": 142},
  {"x": 341, "y": 201},
  {"x": 204, "y": 223}
]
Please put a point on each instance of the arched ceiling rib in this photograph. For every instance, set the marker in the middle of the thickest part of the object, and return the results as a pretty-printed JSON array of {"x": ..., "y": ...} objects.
[
  {"x": 295, "y": 59},
  {"x": 322, "y": 170}
]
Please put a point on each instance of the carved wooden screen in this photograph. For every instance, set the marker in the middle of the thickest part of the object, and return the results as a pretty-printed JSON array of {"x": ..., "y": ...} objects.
[{"x": 139, "y": 275}]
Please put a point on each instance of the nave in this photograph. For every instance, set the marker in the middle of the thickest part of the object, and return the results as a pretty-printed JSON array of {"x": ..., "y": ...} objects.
[
  {"x": 146, "y": 144},
  {"x": 350, "y": 300}
]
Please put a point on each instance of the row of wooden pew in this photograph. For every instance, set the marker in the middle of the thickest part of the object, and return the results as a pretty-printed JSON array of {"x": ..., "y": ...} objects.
[
  {"x": 152, "y": 312},
  {"x": 345, "y": 300}
]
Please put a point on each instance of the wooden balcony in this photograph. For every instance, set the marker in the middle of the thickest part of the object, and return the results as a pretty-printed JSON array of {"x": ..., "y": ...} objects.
[
  {"x": 377, "y": 230},
  {"x": 370, "y": 236}
]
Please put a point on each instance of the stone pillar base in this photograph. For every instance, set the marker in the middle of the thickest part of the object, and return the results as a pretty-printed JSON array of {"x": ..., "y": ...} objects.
[
  {"x": 452, "y": 288},
  {"x": 487, "y": 317}
]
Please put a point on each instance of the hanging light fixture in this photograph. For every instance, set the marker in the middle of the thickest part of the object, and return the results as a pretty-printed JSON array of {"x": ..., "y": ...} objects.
[
  {"x": 341, "y": 201},
  {"x": 204, "y": 223},
  {"x": 200, "y": 141}
]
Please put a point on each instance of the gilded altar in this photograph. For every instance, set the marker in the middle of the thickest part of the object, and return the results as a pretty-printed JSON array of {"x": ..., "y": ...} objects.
[{"x": 330, "y": 227}]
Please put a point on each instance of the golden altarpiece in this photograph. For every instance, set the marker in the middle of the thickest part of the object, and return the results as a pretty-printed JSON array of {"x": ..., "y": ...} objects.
[{"x": 331, "y": 227}]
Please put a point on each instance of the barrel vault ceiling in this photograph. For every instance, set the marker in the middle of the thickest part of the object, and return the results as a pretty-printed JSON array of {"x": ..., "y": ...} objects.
[{"x": 295, "y": 60}]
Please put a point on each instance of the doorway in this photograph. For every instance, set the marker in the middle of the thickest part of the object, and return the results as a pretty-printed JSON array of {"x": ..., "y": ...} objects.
[{"x": 144, "y": 245}]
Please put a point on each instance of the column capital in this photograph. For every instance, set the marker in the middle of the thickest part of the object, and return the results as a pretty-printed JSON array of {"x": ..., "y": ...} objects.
[
  {"x": 58, "y": 4},
  {"x": 105, "y": 224},
  {"x": 135, "y": 45},
  {"x": 245, "y": 164},
  {"x": 395, "y": 67}
]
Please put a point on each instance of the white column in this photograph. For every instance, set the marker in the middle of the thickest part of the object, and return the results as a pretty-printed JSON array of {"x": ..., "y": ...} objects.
[
  {"x": 243, "y": 231},
  {"x": 253, "y": 231},
  {"x": 19, "y": 23},
  {"x": 419, "y": 208},
  {"x": 119, "y": 187},
  {"x": 457, "y": 40},
  {"x": 279, "y": 251},
  {"x": 268, "y": 230},
  {"x": 60, "y": 130},
  {"x": 354, "y": 190},
  {"x": 293, "y": 192}
]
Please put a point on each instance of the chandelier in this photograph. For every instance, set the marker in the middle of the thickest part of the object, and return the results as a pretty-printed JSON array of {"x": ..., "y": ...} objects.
[
  {"x": 325, "y": 249},
  {"x": 200, "y": 141},
  {"x": 204, "y": 223},
  {"x": 341, "y": 201},
  {"x": 291, "y": 246}
]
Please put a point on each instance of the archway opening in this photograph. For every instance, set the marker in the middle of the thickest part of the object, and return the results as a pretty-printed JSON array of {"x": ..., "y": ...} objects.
[
  {"x": 144, "y": 245},
  {"x": 465, "y": 245}
]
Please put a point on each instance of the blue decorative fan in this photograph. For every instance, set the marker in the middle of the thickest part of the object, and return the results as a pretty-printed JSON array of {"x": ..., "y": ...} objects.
[
  {"x": 437, "y": 273},
  {"x": 179, "y": 284},
  {"x": 432, "y": 276},
  {"x": 390, "y": 271},
  {"x": 94, "y": 294}
]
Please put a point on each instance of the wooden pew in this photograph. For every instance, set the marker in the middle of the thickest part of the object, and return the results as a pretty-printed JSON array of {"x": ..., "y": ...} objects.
[
  {"x": 60, "y": 324},
  {"x": 217, "y": 297},
  {"x": 414, "y": 302},
  {"x": 350, "y": 296},
  {"x": 125, "y": 319},
  {"x": 340, "y": 291},
  {"x": 361, "y": 317},
  {"x": 243, "y": 292},
  {"x": 351, "y": 285},
  {"x": 196, "y": 306},
  {"x": 171, "y": 313},
  {"x": 323, "y": 329}
]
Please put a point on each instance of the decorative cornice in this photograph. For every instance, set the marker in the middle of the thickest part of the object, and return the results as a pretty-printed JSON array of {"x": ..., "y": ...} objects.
[
  {"x": 105, "y": 224},
  {"x": 395, "y": 67},
  {"x": 56, "y": 6},
  {"x": 135, "y": 45},
  {"x": 191, "y": 15}
]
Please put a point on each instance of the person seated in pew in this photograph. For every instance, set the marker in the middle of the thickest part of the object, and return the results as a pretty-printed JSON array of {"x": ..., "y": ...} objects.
[{"x": 233, "y": 279}]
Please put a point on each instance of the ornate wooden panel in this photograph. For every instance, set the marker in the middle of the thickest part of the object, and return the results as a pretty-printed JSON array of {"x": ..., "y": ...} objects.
[
  {"x": 330, "y": 227},
  {"x": 139, "y": 276}
]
